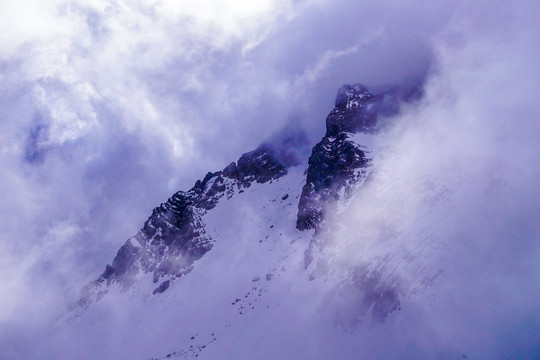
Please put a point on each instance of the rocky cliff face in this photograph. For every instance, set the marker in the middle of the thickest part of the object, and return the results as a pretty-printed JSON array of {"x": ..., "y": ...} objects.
[
  {"x": 333, "y": 167},
  {"x": 337, "y": 163}
]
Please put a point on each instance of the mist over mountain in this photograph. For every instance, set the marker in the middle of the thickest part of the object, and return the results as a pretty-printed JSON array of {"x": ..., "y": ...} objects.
[{"x": 280, "y": 179}]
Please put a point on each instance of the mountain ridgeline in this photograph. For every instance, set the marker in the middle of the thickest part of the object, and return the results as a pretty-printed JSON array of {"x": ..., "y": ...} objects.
[{"x": 174, "y": 237}]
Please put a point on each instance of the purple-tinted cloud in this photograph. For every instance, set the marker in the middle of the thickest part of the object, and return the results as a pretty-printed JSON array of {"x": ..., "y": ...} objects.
[{"x": 107, "y": 110}]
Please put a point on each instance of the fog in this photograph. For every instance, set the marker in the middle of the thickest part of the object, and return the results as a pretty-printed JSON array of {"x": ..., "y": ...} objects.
[
  {"x": 107, "y": 108},
  {"x": 450, "y": 215}
]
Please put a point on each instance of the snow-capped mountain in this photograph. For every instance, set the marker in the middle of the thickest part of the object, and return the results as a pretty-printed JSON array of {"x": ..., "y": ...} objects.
[
  {"x": 176, "y": 235},
  {"x": 282, "y": 257},
  {"x": 226, "y": 257},
  {"x": 405, "y": 226}
]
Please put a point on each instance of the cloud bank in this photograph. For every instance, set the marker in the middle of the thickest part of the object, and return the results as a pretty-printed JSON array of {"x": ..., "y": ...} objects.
[
  {"x": 450, "y": 217},
  {"x": 108, "y": 107}
]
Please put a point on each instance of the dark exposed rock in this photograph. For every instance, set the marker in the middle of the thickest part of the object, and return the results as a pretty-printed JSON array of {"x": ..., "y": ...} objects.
[
  {"x": 334, "y": 159},
  {"x": 259, "y": 165},
  {"x": 230, "y": 170},
  {"x": 331, "y": 166},
  {"x": 162, "y": 287},
  {"x": 359, "y": 109},
  {"x": 335, "y": 163},
  {"x": 353, "y": 111}
]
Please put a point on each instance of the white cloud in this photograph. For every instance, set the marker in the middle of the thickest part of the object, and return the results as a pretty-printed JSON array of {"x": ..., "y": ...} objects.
[{"x": 120, "y": 103}]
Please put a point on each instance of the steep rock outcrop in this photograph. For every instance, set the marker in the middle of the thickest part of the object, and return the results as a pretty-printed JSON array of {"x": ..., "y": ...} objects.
[
  {"x": 336, "y": 162},
  {"x": 332, "y": 167}
]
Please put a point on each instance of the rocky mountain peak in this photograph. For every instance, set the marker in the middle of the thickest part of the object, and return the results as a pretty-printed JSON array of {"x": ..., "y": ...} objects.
[
  {"x": 351, "y": 95},
  {"x": 337, "y": 163},
  {"x": 354, "y": 110}
]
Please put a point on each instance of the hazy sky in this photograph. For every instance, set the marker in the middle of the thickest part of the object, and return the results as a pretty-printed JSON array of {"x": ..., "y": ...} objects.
[{"x": 109, "y": 107}]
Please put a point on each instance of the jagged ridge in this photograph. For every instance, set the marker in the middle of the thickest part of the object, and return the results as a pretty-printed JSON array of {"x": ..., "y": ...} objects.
[{"x": 174, "y": 237}]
